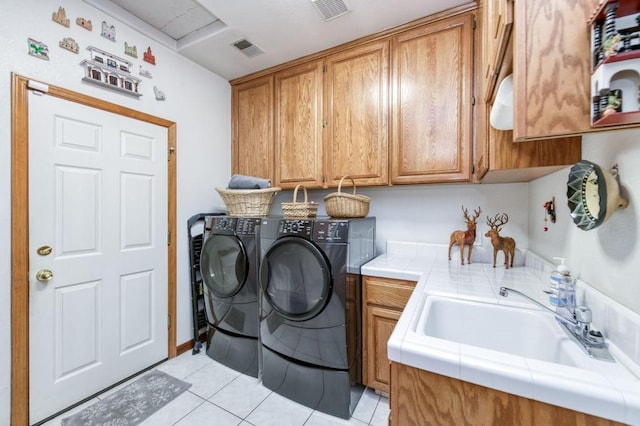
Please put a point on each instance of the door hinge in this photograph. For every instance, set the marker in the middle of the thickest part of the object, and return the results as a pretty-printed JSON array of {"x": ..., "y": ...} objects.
[
  {"x": 37, "y": 87},
  {"x": 169, "y": 238},
  {"x": 168, "y": 321},
  {"x": 473, "y": 100},
  {"x": 473, "y": 25},
  {"x": 325, "y": 68}
]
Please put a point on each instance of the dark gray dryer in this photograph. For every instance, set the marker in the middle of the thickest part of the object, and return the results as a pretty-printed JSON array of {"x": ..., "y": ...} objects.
[
  {"x": 310, "y": 316},
  {"x": 229, "y": 266}
]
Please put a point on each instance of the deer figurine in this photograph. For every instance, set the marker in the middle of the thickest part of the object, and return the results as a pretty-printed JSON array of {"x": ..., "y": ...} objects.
[
  {"x": 506, "y": 244},
  {"x": 465, "y": 238}
]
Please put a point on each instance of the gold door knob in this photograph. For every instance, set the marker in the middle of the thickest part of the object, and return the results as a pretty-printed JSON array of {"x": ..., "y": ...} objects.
[{"x": 44, "y": 275}]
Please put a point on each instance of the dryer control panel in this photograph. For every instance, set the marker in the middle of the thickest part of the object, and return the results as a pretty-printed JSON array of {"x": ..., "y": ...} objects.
[
  {"x": 247, "y": 226},
  {"x": 295, "y": 227},
  {"x": 331, "y": 231}
]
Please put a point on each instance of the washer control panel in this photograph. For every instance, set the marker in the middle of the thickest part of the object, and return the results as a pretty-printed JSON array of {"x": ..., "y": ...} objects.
[
  {"x": 223, "y": 224},
  {"x": 331, "y": 231},
  {"x": 295, "y": 227}
]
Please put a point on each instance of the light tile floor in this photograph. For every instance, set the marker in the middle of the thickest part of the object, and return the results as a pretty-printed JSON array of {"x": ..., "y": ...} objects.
[{"x": 221, "y": 396}]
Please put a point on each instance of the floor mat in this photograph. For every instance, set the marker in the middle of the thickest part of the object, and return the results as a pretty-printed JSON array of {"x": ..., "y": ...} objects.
[{"x": 132, "y": 404}]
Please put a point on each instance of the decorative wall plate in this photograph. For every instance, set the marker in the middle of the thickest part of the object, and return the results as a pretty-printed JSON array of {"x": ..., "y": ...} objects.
[{"x": 593, "y": 194}]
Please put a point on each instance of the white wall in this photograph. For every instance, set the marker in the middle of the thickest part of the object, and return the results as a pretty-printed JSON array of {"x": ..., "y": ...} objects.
[
  {"x": 607, "y": 257},
  {"x": 198, "y": 100},
  {"x": 429, "y": 213}
]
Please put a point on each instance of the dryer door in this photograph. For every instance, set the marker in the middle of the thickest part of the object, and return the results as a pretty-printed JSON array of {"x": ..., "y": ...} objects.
[
  {"x": 296, "y": 278},
  {"x": 224, "y": 264}
]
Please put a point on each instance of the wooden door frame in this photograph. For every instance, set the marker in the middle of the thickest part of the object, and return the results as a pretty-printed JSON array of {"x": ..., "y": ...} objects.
[{"x": 20, "y": 228}]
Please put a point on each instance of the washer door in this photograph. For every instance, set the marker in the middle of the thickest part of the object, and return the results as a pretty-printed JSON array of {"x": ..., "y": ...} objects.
[
  {"x": 224, "y": 264},
  {"x": 296, "y": 278}
]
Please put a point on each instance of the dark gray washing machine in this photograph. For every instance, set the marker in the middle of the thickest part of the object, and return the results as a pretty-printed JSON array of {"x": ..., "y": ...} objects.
[
  {"x": 310, "y": 315},
  {"x": 229, "y": 266}
]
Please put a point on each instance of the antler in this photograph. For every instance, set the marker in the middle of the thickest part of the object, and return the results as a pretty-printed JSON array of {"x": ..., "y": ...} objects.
[
  {"x": 476, "y": 214},
  {"x": 498, "y": 220}
]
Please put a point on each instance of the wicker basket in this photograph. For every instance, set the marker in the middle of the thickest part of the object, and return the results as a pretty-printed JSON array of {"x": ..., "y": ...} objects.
[
  {"x": 303, "y": 209},
  {"x": 248, "y": 202},
  {"x": 339, "y": 204}
]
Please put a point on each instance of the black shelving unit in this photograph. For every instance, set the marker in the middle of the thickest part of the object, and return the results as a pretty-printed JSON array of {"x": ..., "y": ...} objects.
[{"x": 195, "y": 230}]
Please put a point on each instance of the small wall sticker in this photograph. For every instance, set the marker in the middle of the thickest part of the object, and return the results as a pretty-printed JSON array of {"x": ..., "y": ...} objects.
[
  {"x": 110, "y": 71},
  {"x": 159, "y": 94},
  {"x": 69, "y": 44},
  {"x": 38, "y": 49},
  {"x": 148, "y": 56},
  {"x": 85, "y": 23},
  {"x": 144, "y": 72},
  {"x": 130, "y": 50},
  {"x": 60, "y": 17},
  {"x": 108, "y": 31}
]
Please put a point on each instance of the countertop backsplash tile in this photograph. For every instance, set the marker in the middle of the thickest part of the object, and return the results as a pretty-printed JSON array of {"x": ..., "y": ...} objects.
[{"x": 617, "y": 322}]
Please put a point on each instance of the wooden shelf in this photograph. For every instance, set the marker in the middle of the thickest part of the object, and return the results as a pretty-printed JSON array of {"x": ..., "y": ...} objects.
[
  {"x": 618, "y": 118},
  {"x": 623, "y": 56}
]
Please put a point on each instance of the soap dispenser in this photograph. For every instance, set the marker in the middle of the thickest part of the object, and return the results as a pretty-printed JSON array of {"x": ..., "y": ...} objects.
[
  {"x": 566, "y": 294},
  {"x": 555, "y": 280}
]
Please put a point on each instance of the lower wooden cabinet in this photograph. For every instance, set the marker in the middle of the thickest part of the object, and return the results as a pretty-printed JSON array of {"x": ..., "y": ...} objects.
[
  {"x": 420, "y": 397},
  {"x": 383, "y": 302}
]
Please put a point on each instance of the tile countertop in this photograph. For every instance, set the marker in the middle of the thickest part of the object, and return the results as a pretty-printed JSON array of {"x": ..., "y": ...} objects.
[{"x": 610, "y": 391}]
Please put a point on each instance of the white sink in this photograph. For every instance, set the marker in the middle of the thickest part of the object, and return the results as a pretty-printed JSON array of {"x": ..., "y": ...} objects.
[{"x": 518, "y": 331}]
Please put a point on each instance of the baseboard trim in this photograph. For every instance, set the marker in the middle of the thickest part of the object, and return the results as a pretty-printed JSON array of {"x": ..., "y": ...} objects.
[{"x": 188, "y": 345}]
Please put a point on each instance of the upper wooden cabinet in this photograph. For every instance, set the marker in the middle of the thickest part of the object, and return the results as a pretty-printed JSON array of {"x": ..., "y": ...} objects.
[
  {"x": 252, "y": 145},
  {"x": 356, "y": 115},
  {"x": 497, "y": 157},
  {"x": 331, "y": 119},
  {"x": 298, "y": 126},
  {"x": 432, "y": 104},
  {"x": 394, "y": 107},
  {"x": 552, "y": 68}
]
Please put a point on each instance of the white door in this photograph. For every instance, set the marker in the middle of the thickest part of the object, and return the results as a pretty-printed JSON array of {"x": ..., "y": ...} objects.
[{"x": 98, "y": 199}]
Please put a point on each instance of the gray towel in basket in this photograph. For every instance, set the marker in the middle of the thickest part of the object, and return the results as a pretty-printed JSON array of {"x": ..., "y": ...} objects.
[{"x": 248, "y": 182}]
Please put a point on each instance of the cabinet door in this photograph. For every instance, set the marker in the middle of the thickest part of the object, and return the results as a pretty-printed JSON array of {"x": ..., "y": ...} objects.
[
  {"x": 433, "y": 102},
  {"x": 498, "y": 21},
  {"x": 552, "y": 68},
  {"x": 356, "y": 109},
  {"x": 379, "y": 323},
  {"x": 298, "y": 126},
  {"x": 383, "y": 301},
  {"x": 252, "y": 146}
]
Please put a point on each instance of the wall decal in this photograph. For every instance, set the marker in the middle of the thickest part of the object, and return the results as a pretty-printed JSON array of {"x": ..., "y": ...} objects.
[
  {"x": 108, "y": 31},
  {"x": 130, "y": 50},
  {"x": 69, "y": 44},
  {"x": 159, "y": 94},
  {"x": 38, "y": 49},
  {"x": 113, "y": 72},
  {"x": 148, "y": 56},
  {"x": 60, "y": 17},
  {"x": 144, "y": 72},
  {"x": 549, "y": 213},
  {"x": 85, "y": 23}
]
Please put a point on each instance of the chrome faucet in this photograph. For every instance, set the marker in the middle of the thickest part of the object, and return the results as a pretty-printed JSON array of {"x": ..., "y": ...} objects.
[{"x": 578, "y": 326}]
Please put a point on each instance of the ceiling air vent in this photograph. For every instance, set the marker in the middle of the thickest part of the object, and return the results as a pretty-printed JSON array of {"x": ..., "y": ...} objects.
[
  {"x": 248, "y": 48},
  {"x": 330, "y": 9}
]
